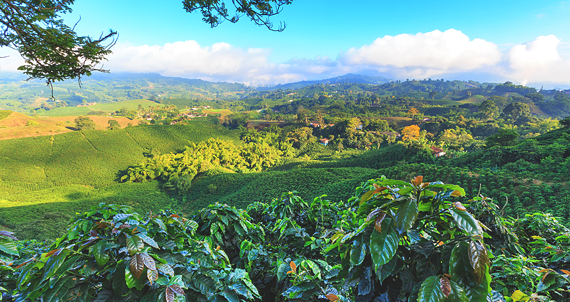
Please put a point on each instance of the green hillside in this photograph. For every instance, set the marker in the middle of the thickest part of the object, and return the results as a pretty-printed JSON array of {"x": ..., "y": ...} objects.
[{"x": 40, "y": 173}]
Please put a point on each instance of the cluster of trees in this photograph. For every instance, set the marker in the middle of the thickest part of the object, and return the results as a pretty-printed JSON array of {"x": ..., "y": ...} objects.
[{"x": 177, "y": 170}]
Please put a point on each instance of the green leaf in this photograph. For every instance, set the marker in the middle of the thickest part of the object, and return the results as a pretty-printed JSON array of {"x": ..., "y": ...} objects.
[
  {"x": 165, "y": 269},
  {"x": 447, "y": 187},
  {"x": 131, "y": 281},
  {"x": 148, "y": 240},
  {"x": 99, "y": 253},
  {"x": 430, "y": 291},
  {"x": 466, "y": 222},
  {"x": 231, "y": 295},
  {"x": 8, "y": 246},
  {"x": 383, "y": 246},
  {"x": 58, "y": 290},
  {"x": 204, "y": 284},
  {"x": 366, "y": 197},
  {"x": 53, "y": 264},
  {"x": 386, "y": 270},
  {"x": 393, "y": 182},
  {"x": 462, "y": 272},
  {"x": 358, "y": 252},
  {"x": 457, "y": 293},
  {"x": 134, "y": 244},
  {"x": 406, "y": 216}
]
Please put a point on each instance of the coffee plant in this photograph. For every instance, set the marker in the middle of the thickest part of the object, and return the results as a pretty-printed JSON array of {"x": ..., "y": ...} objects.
[{"x": 392, "y": 241}]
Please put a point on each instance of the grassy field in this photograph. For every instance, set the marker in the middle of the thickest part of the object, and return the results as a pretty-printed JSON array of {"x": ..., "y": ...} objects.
[
  {"x": 131, "y": 105},
  {"x": 72, "y": 171},
  {"x": 64, "y": 111},
  {"x": 18, "y": 125}
]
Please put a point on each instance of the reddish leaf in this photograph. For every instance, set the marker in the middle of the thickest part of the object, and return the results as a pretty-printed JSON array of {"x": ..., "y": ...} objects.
[
  {"x": 478, "y": 259},
  {"x": 93, "y": 233},
  {"x": 445, "y": 286},
  {"x": 177, "y": 289},
  {"x": 28, "y": 261},
  {"x": 378, "y": 222},
  {"x": 8, "y": 235},
  {"x": 332, "y": 297},
  {"x": 134, "y": 230},
  {"x": 565, "y": 271},
  {"x": 416, "y": 182},
  {"x": 174, "y": 216},
  {"x": 137, "y": 265},
  {"x": 172, "y": 291},
  {"x": 448, "y": 276},
  {"x": 373, "y": 214},
  {"x": 458, "y": 205},
  {"x": 379, "y": 189},
  {"x": 456, "y": 193},
  {"x": 52, "y": 252},
  {"x": 293, "y": 268},
  {"x": 148, "y": 261},
  {"x": 124, "y": 226}
]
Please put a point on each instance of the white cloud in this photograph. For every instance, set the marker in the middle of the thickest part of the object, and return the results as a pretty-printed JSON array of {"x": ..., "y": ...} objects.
[
  {"x": 450, "y": 50},
  {"x": 538, "y": 61},
  {"x": 450, "y": 54},
  {"x": 10, "y": 60}
]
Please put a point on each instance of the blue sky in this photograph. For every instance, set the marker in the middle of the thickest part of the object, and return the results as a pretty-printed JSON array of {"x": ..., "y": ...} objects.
[{"x": 522, "y": 41}]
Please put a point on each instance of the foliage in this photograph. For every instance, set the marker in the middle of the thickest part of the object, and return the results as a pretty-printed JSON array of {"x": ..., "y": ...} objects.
[
  {"x": 84, "y": 123},
  {"x": 214, "y": 12},
  {"x": 411, "y": 133},
  {"x": 52, "y": 50},
  {"x": 505, "y": 137},
  {"x": 111, "y": 254},
  {"x": 204, "y": 156}
]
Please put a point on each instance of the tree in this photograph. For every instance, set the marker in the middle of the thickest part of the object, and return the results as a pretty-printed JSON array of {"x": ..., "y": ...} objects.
[
  {"x": 411, "y": 133},
  {"x": 377, "y": 125},
  {"x": 517, "y": 110},
  {"x": 565, "y": 122},
  {"x": 412, "y": 112},
  {"x": 432, "y": 94},
  {"x": 505, "y": 137},
  {"x": 53, "y": 51},
  {"x": 84, "y": 123},
  {"x": 113, "y": 125},
  {"x": 488, "y": 109}
]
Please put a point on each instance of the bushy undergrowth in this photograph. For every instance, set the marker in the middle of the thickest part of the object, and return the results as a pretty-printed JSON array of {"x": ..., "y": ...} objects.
[{"x": 392, "y": 240}]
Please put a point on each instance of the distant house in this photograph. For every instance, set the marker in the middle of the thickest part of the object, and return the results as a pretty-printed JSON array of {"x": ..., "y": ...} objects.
[
  {"x": 359, "y": 127},
  {"x": 324, "y": 141},
  {"x": 437, "y": 151},
  {"x": 315, "y": 125},
  {"x": 567, "y": 91},
  {"x": 426, "y": 119}
]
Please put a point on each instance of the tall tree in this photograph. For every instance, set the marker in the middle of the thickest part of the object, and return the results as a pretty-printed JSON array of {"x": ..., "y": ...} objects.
[
  {"x": 410, "y": 133},
  {"x": 488, "y": 109},
  {"x": 53, "y": 51}
]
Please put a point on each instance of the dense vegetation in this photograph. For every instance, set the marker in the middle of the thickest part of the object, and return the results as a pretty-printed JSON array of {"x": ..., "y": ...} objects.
[{"x": 387, "y": 239}]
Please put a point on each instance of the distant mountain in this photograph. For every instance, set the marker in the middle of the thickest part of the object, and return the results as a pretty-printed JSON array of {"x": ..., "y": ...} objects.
[
  {"x": 350, "y": 78},
  {"x": 22, "y": 96}
]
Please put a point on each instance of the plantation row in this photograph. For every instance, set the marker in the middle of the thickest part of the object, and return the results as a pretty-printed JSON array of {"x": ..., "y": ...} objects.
[{"x": 391, "y": 240}]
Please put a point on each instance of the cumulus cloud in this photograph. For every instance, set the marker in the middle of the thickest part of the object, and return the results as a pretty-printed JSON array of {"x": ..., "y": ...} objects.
[
  {"x": 537, "y": 61},
  {"x": 449, "y": 54},
  {"x": 450, "y": 50}
]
